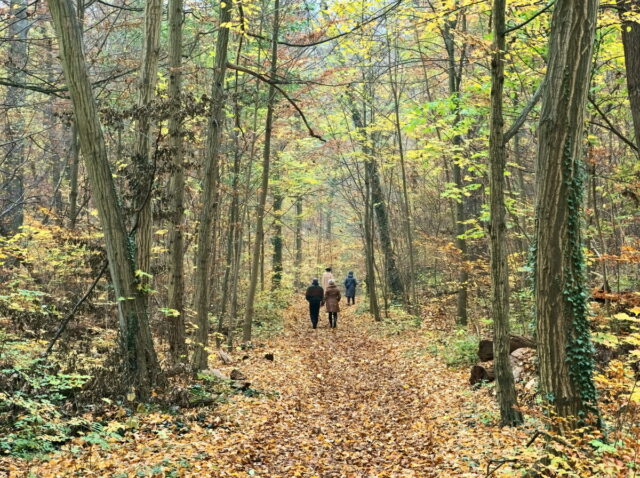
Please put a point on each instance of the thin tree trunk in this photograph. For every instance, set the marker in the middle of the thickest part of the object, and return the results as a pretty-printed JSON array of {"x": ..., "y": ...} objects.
[
  {"x": 176, "y": 330},
  {"x": 379, "y": 205},
  {"x": 298, "y": 261},
  {"x": 277, "y": 240},
  {"x": 405, "y": 193},
  {"x": 73, "y": 177},
  {"x": 12, "y": 185},
  {"x": 631, "y": 44},
  {"x": 209, "y": 193},
  {"x": 259, "y": 236},
  {"x": 141, "y": 365},
  {"x": 505, "y": 386},
  {"x": 147, "y": 79},
  {"x": 564, "y": 345},
  {"x": 374, "y": 308},
  {"x": 460, "y": 214}
]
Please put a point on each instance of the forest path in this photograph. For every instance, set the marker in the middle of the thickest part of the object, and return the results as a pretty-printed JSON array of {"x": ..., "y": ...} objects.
[{"x": 360, "y": 401}]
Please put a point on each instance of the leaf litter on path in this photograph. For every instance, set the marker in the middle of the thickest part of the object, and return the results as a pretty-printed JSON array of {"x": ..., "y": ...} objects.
[{"x": 345, "y": 403}]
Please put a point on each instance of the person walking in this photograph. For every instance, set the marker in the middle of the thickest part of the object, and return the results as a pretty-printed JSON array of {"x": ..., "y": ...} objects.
[
  {"x": 327, "y": 275},
  {"x": 331, "y": 301},
  {"x": 350, "y": 288},
  {"x": 315, "y": 297}
]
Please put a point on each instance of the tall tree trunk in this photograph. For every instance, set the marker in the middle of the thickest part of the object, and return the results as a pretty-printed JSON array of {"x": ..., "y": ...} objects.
[
  {"x": 57, "y": 166},
  {"x": 298, "y": 261},
  {"x": 460, "y": 213},
  {"x": 209, "y": 191},
  {"x": 564, "y": 346},
  {"x": 406, "y": 207},
  {"x": 177, "y": 346},
  {"x": 234, "y": 214},
  {"x": 369, "y": 243},
  {"x": 277, "y": 240},
  {"x": 141, "y": 365},
  {"x": 74, "y": 166},
  {"x": 264, "y": 187},
  {"x": 505, "y": 386},
  {"x": 393, "y": 278},
  {"x": 12, "y": 185},
  {"x": 631, "y": 44},
  {"x": 147, "y": 79}
]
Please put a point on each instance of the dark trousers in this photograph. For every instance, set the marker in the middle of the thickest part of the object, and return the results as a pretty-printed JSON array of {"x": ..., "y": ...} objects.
[
  {"x": 333, "y": 319},
  {"x": 351, "y": 300},
  {"x": 314, "y": 311}
]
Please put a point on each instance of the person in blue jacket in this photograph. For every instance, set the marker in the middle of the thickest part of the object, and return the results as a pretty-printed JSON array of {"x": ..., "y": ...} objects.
[{"x": 350, "y": 288}]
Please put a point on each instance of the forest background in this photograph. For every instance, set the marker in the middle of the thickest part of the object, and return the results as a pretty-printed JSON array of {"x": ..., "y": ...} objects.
[{"x": 236, "y": 149}]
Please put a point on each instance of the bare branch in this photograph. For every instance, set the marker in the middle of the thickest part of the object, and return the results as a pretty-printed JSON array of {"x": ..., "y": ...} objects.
[
  {"x": 384, "y": 12},
  {"x": 274, "y": 83},
  {"x": 611, "y": 127},
  {"x": 517, "y": 124},
  {"x": 529, "y": 20}
]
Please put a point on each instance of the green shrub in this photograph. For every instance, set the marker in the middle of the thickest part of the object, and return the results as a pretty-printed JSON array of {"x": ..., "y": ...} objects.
[
  {"x": 461, "y": 351},
  {"x": 31, "y": 417}
]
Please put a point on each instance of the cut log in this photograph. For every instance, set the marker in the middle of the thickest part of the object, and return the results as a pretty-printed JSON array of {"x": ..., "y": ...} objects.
[
  {"x": 485, "y": 348},
  {"x": 225, "y": 357},
  {"x": 481, "y": 374}
]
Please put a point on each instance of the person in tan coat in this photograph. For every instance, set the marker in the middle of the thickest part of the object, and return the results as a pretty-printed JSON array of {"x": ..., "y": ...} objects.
[{"x": 332, "y": 302}]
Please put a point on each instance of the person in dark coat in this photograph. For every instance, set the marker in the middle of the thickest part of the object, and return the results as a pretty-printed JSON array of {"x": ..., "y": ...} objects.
[
  {"x": 315, "y": 297},
  {"x": 350, "y": 288},
  {"x": 331, "y": 301}
]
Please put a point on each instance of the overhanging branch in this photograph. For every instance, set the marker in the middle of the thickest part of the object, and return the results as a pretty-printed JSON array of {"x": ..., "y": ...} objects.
[
  {"x": 274, "y": 83},
  {"x": 383, "y": 13}
]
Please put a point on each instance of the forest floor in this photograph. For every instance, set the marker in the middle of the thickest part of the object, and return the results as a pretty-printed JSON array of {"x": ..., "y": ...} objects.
[{"x": 357, "y": 401}]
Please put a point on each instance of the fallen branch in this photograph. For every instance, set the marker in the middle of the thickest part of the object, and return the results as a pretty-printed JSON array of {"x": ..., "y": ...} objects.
[{"x": 500, "y": 461}]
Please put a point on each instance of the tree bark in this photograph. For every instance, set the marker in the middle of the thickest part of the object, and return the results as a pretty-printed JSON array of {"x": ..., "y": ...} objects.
[
  {"x": 209, "y": 191},
  {"x": 505, "y": 385},
  {"x": 142, "y": 370},
  {"x": 176, "y": 329},
  {"x": 564, "y": 348},
  {"x": 631, "y": 45},
  {"x": 264, "y": 187}
]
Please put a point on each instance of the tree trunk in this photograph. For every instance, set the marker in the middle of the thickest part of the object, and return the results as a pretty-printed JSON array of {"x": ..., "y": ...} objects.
[
  {"x": 631, "y": 44},
  {"x": 277, "y": 239},
  {"x": 141, "y": 365},
  {"x": 147, "y": 79},
  {"x": 73, "y": 176},
  {"x": 406, "y": 208},
  {"x": 176, "y": 330},
  {"x": 264, "y": 187},
  {"x": 505, "y": 385},
  {"x": 379, "y": 206},
  {"x": 298, "y": 261},
  {"x": 209, "y": 193},
  {"x": 13, "y": 194},
  {"x": 460, "y": 214},
  {"x": 564, "y": 347}
]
